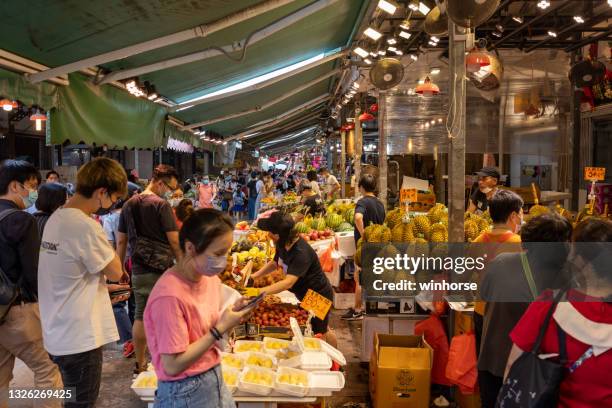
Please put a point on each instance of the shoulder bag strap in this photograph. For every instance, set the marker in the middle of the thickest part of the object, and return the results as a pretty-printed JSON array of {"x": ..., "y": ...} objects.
[
  {"x": 529, "y": 275},
  {"x": 561, "y": 337},
  {"x": 546, "y": 322}
]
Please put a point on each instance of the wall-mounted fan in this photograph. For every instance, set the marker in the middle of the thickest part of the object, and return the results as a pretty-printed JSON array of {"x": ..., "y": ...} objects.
[
  {"x": 386, "y": 73},
  {"x": 587, "y": 73},
  {"x": 436, "y": 21},
  {"x": 470, "y": 13}
]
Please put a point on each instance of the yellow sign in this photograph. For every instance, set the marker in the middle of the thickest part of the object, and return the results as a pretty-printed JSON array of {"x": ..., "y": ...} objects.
[
  {"x": 595, "y": 173},
  {"x": 408, "y": 194},
  {"x": 316, "y": 303}
]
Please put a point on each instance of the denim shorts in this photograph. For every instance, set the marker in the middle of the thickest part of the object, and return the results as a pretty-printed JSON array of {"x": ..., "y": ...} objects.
[{"x": 205, "y": 390}]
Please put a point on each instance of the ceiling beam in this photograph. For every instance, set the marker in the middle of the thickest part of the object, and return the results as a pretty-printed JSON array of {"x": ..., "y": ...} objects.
[
  {"x": 589, "y": 40},
  {"x": 312, "y": 117},
  {"x": 283, "y": 116},
  {"x": 264, "y": 84},
  {"x": 200, "y": 31},
  {"x": 255, "y": 37},
  {"x": 265, "y": 106},
  {"x": 558, "y": 6}
]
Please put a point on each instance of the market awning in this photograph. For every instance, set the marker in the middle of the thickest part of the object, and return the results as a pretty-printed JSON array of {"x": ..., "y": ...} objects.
[{"x": 62, "y": 32}]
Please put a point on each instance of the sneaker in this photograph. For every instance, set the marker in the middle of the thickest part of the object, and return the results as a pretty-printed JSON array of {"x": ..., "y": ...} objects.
[
  {"x": 349, "y": 314},
  {"x": 128, "y": 349}
]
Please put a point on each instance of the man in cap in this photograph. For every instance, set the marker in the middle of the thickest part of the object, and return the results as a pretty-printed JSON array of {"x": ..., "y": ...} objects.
[{"x": 488, "y": 180}]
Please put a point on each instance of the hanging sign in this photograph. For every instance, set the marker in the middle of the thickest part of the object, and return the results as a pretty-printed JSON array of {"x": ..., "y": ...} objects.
[
  {"x": 316, "y": 303},
  {"x": 408, "y": 195},
  {"x": 594, "y": 173}
]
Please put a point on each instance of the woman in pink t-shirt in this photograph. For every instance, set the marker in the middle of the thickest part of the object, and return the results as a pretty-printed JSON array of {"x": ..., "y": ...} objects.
[
  {"x": 206, "y": 193},
  {"x": 183, "y": 320}
]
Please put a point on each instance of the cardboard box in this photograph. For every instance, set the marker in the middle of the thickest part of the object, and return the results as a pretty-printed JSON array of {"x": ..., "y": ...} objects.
[
  {"x": 400, "y": 372},
  {"x": 344, "y": 300}
]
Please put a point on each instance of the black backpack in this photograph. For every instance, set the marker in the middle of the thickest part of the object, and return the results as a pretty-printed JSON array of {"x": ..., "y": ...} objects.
[{"x": 8, "y": 290}]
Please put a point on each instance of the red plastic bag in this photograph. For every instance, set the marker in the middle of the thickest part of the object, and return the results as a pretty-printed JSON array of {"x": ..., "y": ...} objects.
[
  {"x": 433, "y": 331},
  {"x": 461, "y": 368},
  {"x": 326, "y": 260}
]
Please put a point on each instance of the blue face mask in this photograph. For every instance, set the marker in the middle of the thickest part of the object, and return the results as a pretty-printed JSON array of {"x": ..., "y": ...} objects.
[
  {"x": 205, "y": 182},
  {"x": 213, "y": 265},
  {"x": 30, "y": 200}
]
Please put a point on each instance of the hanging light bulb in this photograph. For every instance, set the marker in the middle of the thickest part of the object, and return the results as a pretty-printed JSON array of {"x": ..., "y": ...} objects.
[
  {"x": 8, "y": 105},
  {"x": 38, "y": 118},
  {"x": 427, "y": 88},
  {"x": 544, "y": 4}
]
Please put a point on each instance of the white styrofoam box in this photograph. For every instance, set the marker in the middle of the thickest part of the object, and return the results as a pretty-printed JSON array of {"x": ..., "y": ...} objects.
[
  {"x": 240, "y": 357},
  {"x": 344, "y": 300},
  {"x": 229, "y": 370},
  {"x": 335, "y": 354},
  {"x": 259, "y": 356},
  {"x": 346, "y": 243},
  {"x": 291, "y": 389},
  {"x": 309, "y": 361},
  {"x": 240, "y": 343},
  {"x": 144, "y": 391},
  {"x": 273, "y": 351},
  {"x": 323, "y": 383},
  {"x": 370, "y": 326},
  {"x": 254, "y": 388}
]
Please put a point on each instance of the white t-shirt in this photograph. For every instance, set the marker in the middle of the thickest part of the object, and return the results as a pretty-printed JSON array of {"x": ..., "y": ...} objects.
[
  {"x": 260, "y": 187},
  {"x": 75, "y": 308},
  {"x": 330, "y": 183}
]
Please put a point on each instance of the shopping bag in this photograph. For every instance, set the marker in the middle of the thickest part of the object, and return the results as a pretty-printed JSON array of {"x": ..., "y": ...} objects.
[
  {"x": 326, "y": 260},
  {"x": 433, "y": 331},
  {"x": 461, "y": 368}
]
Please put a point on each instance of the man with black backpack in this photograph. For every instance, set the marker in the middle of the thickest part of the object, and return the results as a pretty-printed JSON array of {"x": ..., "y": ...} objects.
[
  {"x": 148, "y": 224},
  {"x": 19, "y": 313}
]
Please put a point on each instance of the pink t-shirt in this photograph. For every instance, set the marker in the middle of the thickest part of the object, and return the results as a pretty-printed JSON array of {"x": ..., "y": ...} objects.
[
  {"x": 177, "y": 314},
  {"x": 206, "y": 195}
]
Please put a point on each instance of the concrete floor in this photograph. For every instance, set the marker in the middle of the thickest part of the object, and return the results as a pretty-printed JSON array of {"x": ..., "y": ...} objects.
[{"x": 115, "y": 390}]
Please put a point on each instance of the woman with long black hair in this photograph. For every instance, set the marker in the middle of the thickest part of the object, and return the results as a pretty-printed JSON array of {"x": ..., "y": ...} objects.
[{"x": 300, "y": 264}]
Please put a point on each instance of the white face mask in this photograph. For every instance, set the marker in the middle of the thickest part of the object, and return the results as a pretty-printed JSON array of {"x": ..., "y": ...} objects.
[{"x": 486, "y": 190}]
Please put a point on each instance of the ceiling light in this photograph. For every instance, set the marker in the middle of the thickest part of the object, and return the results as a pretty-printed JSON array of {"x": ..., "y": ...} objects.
[
  {"x": 435, "y": 71},
  {"x": 387, "y": 6},
  {"x": 331, "y": 149},
  {"x": 414, "y": 5},
  {"x": 224, "y": 143},
  {"x": 38, "y": 118},
  {"x": 421, "y": 81},
  {"x": 391, "y": 41},
  {"x": 405, "y": 34},
  {"x": 414, "y": 57},
  {"x": 427, "y": 125},
  {"x": 338, "y": 106},
  {"x": 405, "y": 24},
  {"x": 497, "y": 34},
  {"x": 8, "y": 105},
  {"x": 382, "y": 52},
  {"x": 399, "y": 52},
  {"x": 500, "y": 28},
  {"x": 433, "y": 43},
  {"x": 338, "y": 145},
  {"x": 356, "y": 85},
  {"x": 372, "y": 33},
  {"x": 439, "y": 120},
  {"x": 544, "y": 4},
  {"x": 152, "y": 96},
  {"x": 318, "y": 140},
  {"x": 552, "y": 33},
  {"x": 435, "y": 39},
  {"x": 518, "y": 19},
  {"x": 579, "y": 19},
  {"x": 433, "y": 122},
  {"x": 393, "y": 49},
  {"x": 427, "y": 89},
  {"x": 373, "y": 54},
  {"x": 368, "y": 61},
  {"x": 423, "y": 8},
  {"x": 361, "y": 52}
]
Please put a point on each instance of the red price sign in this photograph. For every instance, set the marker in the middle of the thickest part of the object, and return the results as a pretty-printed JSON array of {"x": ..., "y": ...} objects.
[
  {"x": 316, "y": 303},
  {"x": 594, "y": 173},
  {"x": 408, "y": 194}
]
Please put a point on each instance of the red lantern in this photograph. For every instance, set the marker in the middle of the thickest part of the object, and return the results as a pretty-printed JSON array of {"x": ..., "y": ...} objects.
[
  {"x": 476, "y": 59},
  {"x": 350, "y": 126},
  {"x": 366, "y": 117},
  {"x": 374, "y": 108},
  {"x": 427, "y": 88}
]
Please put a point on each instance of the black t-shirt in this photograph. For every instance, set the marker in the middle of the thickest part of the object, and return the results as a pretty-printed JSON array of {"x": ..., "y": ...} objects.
[
  {"x": 480, "y": 201},
  {"x": 302, "y": 261},
  {"x": 252, "y": 185},
  {"x": 373, "y": 212},
  {"x": 314, "y": 205}
]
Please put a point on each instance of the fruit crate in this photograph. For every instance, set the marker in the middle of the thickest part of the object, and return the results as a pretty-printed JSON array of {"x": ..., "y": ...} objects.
[{"x": 259, "y": 381}]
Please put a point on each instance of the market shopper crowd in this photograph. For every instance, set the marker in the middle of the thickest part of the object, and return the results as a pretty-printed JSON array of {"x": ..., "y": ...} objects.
[{"x": 85, "y": 255}]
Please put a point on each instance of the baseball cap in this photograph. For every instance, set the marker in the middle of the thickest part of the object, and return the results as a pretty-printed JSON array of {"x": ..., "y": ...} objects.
[{"x": 489, "y": 172}]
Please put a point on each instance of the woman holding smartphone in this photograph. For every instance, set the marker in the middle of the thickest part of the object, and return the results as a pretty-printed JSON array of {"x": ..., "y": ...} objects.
[{"x": 183, "y": 320}]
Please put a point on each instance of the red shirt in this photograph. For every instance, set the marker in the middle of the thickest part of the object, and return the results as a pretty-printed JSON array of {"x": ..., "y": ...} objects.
[{"x": 591, "y": 384}]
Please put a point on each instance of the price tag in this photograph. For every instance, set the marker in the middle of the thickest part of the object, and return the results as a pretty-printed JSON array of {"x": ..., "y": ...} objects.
[
  {"x": 594, "y": 173},
  {"x": 408, "y": 194},
  {"x": 251, "y": 292},
  {"x": 316, "y": 303}
]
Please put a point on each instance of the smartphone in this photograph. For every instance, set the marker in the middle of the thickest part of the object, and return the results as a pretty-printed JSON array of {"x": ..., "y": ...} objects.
[
  {"x": 252, "y": 302},
  {"x": 121, "y": 292}
]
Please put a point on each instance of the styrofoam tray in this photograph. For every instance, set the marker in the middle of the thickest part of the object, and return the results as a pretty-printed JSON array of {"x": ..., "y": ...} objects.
[
  {"x": 268, "y": 340},
  {"x": 335, "y": 354},
  {"x": 232, "y": 388},
  {"x": 240, "y": 356},
  {"x": 309, "y": 361},
  {"x": 290, "y": 389},
  {"x": 241, "y": 342},
  {"x": 144, "y": 391},
  {"x": 323, "y": 383},
  {"x": 253, "y": 388},
  {"x": 262, "y": 356}
]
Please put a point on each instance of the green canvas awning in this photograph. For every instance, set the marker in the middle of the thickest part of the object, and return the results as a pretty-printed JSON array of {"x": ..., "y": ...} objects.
[{"x": 15, "y": 86}]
